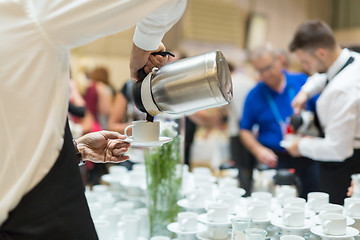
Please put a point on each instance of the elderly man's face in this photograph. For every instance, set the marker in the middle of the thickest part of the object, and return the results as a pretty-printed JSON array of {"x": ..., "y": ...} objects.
[
  {"x": 269, "y": 68},
  {"x": 311, "y": 61}
]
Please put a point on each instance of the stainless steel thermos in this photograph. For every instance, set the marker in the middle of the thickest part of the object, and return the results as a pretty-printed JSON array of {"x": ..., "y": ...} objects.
[{"x": 185, "y": 86}]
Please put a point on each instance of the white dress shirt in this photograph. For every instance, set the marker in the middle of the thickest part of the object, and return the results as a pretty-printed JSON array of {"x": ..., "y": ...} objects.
[
  {"x": 36, "y": 36},
  {"x": 338, "y": 109}
]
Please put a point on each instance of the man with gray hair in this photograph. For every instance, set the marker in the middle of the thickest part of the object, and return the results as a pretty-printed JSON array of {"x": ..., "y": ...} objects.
[{"x": 267, "y": 106}]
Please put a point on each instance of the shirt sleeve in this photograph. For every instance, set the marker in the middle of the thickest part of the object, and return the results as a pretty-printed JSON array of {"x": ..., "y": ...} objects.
[
  {"x": 247, "y": 120},
  {"x": 315, "y": 84},
  {"x": 70, "y": 23},
  {"x": 339, "y": 133}
]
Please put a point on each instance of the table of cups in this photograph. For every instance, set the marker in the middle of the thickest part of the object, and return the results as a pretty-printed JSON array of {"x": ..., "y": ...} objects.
[{"x": 225, "y": 216}]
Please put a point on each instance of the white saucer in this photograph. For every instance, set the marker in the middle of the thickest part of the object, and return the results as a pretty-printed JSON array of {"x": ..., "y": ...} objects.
[
  {"x": 204, "y": 236},
  {"x": 350, "y": 232},
  {"x": 126, "y": 197},
  {"x": 308, "y": 213},
  {"x": 269, "y": 218},
  {"x": 174, "y": 227},
  {"x": 162, "y": 141},
  {"x": 349, "y": 220},
  {"x": 279, "y": 223},
  {"x": 128, "y": 184},
  {"x": 184, "y": 203},
  {"x": 355, "y": 218},
  {"x": 203, "y": 219}
]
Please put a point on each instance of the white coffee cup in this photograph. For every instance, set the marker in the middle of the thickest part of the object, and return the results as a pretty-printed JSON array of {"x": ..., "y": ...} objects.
[
  {"x": 317, "y": 199},
  {"x": 334, "y": 224},
  {"x": 217, "y": 212},
  {"x": 91, "y": 196},
  {"x": 228, "y": 200},
  {"x": 187, "y": 221},
  {"x": 352, "y": 207},
  {"x": 130, "y": 226},
  {"x": 295, "y": 201},
  {"x": 257, "y": 210},
  {"x": 143, "y": 131},
  {"x": 291, "y": 237},
  {"x": 103, "y": 228},
  {"x": 95, "y": 210},
  {"x": 262, "y": 196},
  {"x": 125, "y": 207},
  {"x": 107, "y": 201},
  {"x": 217, "y": 232},
  {"x": 113, "y": 215},
  {"x": 227, "y": 182},
  {"x": 196, "y": 197},
  {"x": 233, "y": 191},
  {"x": 331, "y": 208},
  {"x": 293, "y": 216}
]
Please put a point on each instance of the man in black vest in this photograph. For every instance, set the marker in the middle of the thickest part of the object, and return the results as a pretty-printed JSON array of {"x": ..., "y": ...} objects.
[{"x": 338, "y": 107}]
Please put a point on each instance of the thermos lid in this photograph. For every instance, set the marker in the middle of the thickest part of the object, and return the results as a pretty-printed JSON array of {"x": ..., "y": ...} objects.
[{"x": 224, "y": 77}]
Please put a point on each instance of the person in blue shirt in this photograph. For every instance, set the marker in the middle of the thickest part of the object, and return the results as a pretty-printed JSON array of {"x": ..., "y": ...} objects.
[{"x": 267, "y": 106}]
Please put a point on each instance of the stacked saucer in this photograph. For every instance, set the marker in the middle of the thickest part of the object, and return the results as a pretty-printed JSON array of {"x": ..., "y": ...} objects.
[
  {"x": 333, "y": 226},
  {"x": 186, "y": 226},
  {"x": 217, "y": 221}
]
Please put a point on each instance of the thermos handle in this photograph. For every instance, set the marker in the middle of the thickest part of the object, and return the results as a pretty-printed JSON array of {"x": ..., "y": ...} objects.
[
  {"x": 141, "y": 72},
  {"x": 137, "y": 85}
]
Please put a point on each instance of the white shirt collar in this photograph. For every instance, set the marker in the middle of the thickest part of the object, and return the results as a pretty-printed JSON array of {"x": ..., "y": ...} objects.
[{"x": 338, "y": 64}]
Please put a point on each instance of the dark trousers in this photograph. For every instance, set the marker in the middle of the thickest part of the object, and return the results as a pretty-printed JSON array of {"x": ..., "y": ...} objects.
[
  {"x": 245, "y": 163},
  {"x": 56, "y": 208},
  {"x": 335, "y": 177},
  {"x": 306, "y": 170}
]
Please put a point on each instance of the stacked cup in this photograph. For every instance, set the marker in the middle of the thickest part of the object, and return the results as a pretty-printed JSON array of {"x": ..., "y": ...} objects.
[
  {"x": 186, "y": 226},
  {"x": 333, "y": 224},
  {"x": 329, "y": 208},
  {"x": 293, "y": 216},
  {"x": 257, "y": 210},
  {"x": 352, "y": 209},
  {"x": 217, "y": 221},
  {"x": 316, "y": 200}
]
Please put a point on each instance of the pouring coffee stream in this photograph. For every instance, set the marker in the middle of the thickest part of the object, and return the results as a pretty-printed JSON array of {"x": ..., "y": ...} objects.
[{"x": 185, "y": 86}]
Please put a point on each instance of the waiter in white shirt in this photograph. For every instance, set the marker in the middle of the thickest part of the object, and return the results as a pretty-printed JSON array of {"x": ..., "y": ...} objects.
[
  {"x": 338, "y": 107},
  {"x": 41, "y": 193}
]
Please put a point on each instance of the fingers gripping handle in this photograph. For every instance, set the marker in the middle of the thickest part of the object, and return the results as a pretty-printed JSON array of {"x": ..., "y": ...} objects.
[{"x": 141, "y": 72}]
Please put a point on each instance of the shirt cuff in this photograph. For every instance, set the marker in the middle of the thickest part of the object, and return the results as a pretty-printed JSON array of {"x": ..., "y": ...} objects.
[
  {"x": 303, "y": 146},
  {"x": 148, "y": 42},
  {"x": 307, "y": 89}
]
